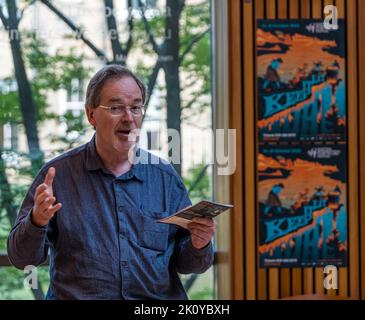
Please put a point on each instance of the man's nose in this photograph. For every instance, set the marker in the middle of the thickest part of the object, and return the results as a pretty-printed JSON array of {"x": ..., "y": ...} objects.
[{"x": 127, "y": 115}]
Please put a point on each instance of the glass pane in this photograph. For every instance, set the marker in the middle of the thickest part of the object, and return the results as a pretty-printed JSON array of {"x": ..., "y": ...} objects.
[{"x": 169, "y": 48}]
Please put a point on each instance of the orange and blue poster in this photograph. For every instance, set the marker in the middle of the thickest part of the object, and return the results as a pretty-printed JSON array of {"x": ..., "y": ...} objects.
[{"x": 302, "y": 144}]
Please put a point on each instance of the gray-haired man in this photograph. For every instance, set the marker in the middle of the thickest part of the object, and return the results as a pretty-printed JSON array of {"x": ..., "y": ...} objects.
[{"x": 96, "y": 211}]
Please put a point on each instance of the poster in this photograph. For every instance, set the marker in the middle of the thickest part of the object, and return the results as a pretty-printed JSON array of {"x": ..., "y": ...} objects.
[{"x": 302, "y": 144}]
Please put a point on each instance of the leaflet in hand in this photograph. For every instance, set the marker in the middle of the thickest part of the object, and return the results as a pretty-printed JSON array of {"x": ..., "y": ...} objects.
[{"x": 203, "y": 209}]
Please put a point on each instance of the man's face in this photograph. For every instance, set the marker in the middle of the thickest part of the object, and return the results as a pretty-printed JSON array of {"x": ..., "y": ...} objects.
[{"x": 112, "y": 131}]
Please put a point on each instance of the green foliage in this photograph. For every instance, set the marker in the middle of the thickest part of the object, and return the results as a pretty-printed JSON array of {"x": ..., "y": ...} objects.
[
  {"x": 12, "y": 283},
  {"x": 9, "y": 102},
  {"x": 75, "y": 131},
  {"x": 205, "y": 293},
  {"x": 51, "y": 72},
  {"x": 201, "y": 184},
  {"x": 195, "y": 21}
]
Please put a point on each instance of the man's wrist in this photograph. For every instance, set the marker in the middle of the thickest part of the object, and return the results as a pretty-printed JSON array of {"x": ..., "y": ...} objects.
[
  {"x": 201, "y": 251},
  {"x": 35, "y": 222}
]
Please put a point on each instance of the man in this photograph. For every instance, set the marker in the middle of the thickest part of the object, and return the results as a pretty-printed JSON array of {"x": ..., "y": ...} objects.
[
  {"x": 97, "y": 211},
  {"x": 272, "y": 78},
  {"x": 273, "y": 202}
]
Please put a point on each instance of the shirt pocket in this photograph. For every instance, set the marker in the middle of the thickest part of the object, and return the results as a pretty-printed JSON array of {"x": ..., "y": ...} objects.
[{"x": 153, "y": 234}]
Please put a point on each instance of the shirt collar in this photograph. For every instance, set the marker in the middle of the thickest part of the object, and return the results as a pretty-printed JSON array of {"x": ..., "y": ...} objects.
[{"x": 93, "y": 162}]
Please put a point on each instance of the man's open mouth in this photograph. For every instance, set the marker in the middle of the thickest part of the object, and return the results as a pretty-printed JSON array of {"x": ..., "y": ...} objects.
[{"x": 124, "y": 131}]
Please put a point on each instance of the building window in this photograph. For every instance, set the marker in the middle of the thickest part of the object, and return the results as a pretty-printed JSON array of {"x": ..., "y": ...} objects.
[{"x": 75, "y": 91}]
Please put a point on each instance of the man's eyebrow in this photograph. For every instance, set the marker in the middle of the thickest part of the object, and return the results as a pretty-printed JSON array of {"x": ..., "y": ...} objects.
[{"x": 115, "y": 99}]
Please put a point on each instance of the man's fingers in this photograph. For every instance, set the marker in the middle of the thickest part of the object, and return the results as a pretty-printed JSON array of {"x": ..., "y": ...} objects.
[
  {"x": 41, "y": 197},
  {"x": 40, "y": 189},
  {"x": 46, "y": 203},
  {"x": 207, "y": 221},
  {"x": 201, "y": 227},
  {"x": 51, "y": 210},
  {"x": 43, "y": 213},
  {"x": 199, "y": 235},
  {"x": 54, "y": 209},
  {"x": 49, "y": 177}
]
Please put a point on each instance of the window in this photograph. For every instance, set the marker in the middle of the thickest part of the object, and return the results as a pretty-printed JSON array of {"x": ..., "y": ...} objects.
[
  {"x": 179, "y": 83},
  {"x": 75, "y": 91}
]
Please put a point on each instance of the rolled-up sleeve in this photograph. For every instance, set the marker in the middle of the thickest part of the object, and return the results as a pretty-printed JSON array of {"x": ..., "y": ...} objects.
[{"x": 27, "y": 243}]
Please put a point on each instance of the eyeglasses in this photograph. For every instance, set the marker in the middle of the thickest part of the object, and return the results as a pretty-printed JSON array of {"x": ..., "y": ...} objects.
[{"x": 117, "y": 110}]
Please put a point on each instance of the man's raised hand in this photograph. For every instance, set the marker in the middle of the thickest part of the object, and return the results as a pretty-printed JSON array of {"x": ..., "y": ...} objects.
[{"x": 44, "y": 201}]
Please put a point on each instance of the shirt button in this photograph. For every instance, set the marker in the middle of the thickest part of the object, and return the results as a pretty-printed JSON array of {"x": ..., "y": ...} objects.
[
  {"x": 121, "y": 236},
  {"x": 123, "y": 263},
  {"x": 120, "y": 208}
]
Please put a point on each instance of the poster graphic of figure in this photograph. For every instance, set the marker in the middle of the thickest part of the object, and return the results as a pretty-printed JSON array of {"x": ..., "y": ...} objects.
[{"x": 302, "y": 144}]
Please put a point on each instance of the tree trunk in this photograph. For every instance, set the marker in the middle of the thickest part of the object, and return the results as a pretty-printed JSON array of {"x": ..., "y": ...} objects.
[
  {"x": 29, "y": 112},
  {"x": 173, "y": 107},
  {"x": 118, "y": 54},
  {"x": 6, "y": 194},
  {"x": 170, "y": 58},
  {"x": 27, "y": 104}
]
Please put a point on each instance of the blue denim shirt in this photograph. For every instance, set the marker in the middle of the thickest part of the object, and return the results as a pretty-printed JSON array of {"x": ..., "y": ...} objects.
[{"x": 105, "y": 242}]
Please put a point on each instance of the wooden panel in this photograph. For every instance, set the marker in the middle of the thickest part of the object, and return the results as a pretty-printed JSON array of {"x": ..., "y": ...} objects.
[
  {"x": 285, "y": 283},
  {"x": 315, "y": 275},
  {"x": 282, "y": 9},
  {"x": 361, "y": 59},
  {"x": 317, "y": 9},
  {"x": 301, "y": 279},
  {"x": 238, "y": 258},
  {"x": 305, "y": 9},
  {"x": 343, "y": 272},
  {"x": 340, "y": 4},
  {"x": 261, "y": 272},
  {"x": 276, "y": 283},
  {"x": 262, "y": 284},
  {"x": 318, "y": 272},
  {"x": 325, "y": 3},
  {"x": 249, "y": 137},
  {"x": 271, "y": 9},
  {"x": 342, "y": 282},
  {"x": 259, "y": 9},
  {"x": 308, "y": 280},
  {"x": 353, "y": 218},
  {"x": 312, "y": 9},
  {"x": 328, "y": 2},
  {"x": 294, "y": 9},
  {"x": 318, "y": 280},
  {"x": 285, "y": 273},
  {"x": 297, "y": 279}
]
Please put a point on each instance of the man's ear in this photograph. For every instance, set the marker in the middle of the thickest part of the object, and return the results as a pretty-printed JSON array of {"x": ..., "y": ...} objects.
[{"x": 90, "y": 115}]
